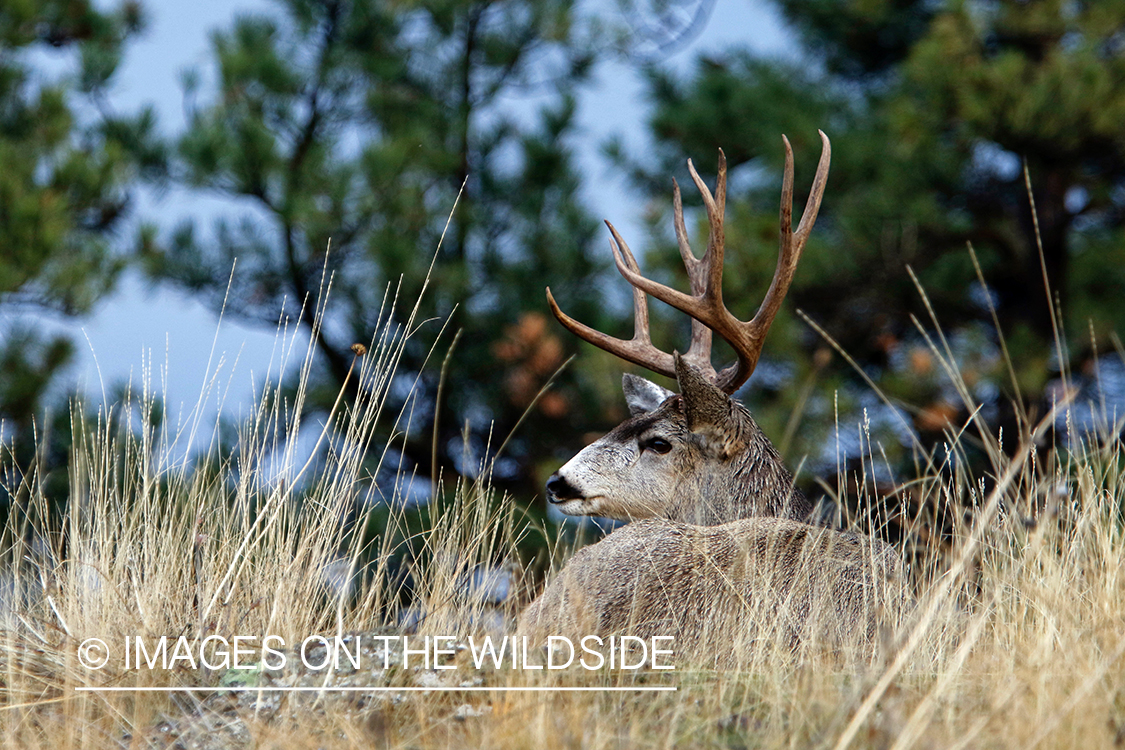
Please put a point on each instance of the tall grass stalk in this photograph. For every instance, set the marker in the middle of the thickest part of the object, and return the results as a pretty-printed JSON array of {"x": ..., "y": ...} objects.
[{"x": 1017, "y": 638}]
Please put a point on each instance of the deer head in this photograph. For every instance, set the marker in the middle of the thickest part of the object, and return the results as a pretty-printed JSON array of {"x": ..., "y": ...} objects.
[{"x": 698, "y": 456}]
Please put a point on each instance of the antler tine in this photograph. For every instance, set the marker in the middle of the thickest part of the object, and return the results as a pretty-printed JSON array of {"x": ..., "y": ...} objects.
[
  {"x": 699, "y": 351},
  {"x": 716, "y": 240},
  {"x": 753, "y": 333},
  {"x": 812, "y": 205},
  {"x": 639, "y": 350},
  {"x": 640, "y": 301},
  {"x": 698, "y": 307},
  {"x": 691, "y": 263}
]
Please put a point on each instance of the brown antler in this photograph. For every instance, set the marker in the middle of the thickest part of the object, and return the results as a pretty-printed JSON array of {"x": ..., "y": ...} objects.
[{"x": 705, "y": 303}]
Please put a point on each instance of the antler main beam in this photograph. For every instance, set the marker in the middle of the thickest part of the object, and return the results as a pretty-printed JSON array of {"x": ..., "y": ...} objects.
[{"x": 705, "y": 303}]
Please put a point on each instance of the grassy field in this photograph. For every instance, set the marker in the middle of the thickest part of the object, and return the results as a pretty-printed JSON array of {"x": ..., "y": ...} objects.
[{"x": 1016, "y": 639}]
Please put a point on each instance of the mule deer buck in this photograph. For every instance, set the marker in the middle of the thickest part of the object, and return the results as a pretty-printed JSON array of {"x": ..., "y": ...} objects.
[
  {"x": 719, "y": 554},
  {"x": 698, "y": 457}
]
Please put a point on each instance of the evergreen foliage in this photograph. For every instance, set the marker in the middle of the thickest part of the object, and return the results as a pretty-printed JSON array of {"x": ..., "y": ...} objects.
[
  {"x": 68, "y": 165},
  {"x": 347, "y": 131}
]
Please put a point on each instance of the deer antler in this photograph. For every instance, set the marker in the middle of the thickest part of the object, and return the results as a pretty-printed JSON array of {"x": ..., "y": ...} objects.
[{"x": 705, "y": 303}]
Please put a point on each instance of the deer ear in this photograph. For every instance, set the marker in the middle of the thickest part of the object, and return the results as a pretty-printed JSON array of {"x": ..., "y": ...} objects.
[
  {"x": 642, "y": 395},
  {"x": 708, "y": 410}
]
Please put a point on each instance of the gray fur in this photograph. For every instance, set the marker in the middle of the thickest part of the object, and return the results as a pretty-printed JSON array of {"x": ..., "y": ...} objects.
[{"x": 726, "y": 593}]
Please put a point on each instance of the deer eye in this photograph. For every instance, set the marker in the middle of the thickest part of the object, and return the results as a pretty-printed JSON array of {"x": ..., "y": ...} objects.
[{"x": 656, "y": 445}]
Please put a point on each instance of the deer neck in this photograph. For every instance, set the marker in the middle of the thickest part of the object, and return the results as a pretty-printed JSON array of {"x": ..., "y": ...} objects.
[{"x": 750, "y": 483}]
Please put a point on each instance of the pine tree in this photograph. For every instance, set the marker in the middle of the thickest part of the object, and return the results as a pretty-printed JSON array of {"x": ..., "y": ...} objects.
[
  {"x": 345, "y": 132},
  {"x": 68, "y": 166}
]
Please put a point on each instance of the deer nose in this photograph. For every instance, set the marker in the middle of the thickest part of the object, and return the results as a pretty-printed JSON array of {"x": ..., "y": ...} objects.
[{"x": 559, "y": 489}]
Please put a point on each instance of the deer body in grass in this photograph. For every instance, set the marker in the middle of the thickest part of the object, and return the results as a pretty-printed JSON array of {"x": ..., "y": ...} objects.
[{"x": 719, "y": 554}]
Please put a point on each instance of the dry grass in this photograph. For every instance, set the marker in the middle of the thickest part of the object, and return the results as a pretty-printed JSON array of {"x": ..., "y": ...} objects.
[{"x": 1016, "y": 641}]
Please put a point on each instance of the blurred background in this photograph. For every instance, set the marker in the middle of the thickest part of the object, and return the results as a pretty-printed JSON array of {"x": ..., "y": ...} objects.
[{"x": 162, "y": 163}]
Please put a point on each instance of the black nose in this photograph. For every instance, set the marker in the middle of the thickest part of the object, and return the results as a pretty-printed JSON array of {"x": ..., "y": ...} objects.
[{"x": 558, "y": 489}]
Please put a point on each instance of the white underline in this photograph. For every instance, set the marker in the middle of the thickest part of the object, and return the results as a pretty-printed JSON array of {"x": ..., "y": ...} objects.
[{"x": 564, "y": 689}]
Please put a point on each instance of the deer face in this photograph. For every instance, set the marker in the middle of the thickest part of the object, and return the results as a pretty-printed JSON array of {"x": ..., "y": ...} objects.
[
  {"x": 620, "y": 475},
  {"x": 673, "y": 458}
]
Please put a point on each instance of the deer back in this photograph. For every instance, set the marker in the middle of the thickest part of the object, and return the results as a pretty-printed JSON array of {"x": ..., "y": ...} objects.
[{"x": 725, "y": 593}]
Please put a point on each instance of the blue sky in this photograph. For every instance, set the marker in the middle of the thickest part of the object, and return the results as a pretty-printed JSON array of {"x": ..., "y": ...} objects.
[{"x": 180, "y": 343}]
